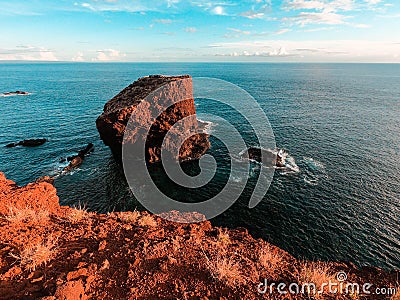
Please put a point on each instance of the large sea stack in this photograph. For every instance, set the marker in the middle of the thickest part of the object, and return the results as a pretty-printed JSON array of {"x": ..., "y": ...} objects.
[{"x": 158, "y": 91}]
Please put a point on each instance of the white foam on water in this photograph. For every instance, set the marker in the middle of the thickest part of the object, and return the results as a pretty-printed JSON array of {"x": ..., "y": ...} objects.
[
  {"x": 310, "y": 181},
  {"x": 290, "y": 164},
  {"x": 13, "y": 95},
  {"x": 313, "y": 163}
]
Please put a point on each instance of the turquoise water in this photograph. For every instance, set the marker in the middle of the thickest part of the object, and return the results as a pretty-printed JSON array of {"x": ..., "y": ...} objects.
[{"x": 340, "y": 123}]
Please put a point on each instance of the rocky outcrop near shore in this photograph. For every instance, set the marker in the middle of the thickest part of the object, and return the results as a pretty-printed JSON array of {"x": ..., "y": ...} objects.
[
  {"x": 51, "y": 252},
  {"x": 16, "y": 93},
  {"x": 34, "y": 196},
  {"x": 112, "y": 123},
  {"x": 28, "y": 143}
]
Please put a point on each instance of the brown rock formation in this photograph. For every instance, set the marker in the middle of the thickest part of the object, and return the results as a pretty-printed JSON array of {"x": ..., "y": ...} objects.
[
  {"x": 112, "y": 123},
  {"x": 34, "y": 195}
]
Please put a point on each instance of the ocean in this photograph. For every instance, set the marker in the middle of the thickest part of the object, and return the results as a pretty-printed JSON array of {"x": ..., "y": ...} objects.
[{"x": 339, "y": 122}]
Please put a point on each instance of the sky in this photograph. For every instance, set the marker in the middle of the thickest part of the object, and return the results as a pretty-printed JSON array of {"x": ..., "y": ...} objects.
[{"x": 195, "y": 30}]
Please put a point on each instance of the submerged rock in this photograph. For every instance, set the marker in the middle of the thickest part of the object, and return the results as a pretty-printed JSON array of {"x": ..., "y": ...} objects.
[
  {"x": 77, "y": 160},
  {"x": 28, "y": 143},
  {"x": 117, "y": 112},
  {"x": 268, "y": 157},
  {"x": 48, "y": 179},
  {"x": 15, "y": 93}
]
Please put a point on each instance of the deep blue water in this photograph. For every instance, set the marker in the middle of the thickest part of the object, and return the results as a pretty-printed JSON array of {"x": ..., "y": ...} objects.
[{"x": 340, "y": 123}]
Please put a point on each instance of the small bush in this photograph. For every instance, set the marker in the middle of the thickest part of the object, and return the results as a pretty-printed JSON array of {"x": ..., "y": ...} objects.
[
  {"x": 77, "y": 214},
  {"x": 226, "y": 270},
  {"x": 396, "y": 296},
  {"x": 35, "y": 255},
  {"x": 148, "y": 221},
  {"x": 270, "y": 261},
  {"x": 317, "y": 273},
  {"x": 223, "y": 237},
  {"x": 26, "y": 215},
  {"x": 130, "y": 217}
]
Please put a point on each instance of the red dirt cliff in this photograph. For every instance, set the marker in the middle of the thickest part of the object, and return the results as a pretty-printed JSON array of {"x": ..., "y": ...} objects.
[{"x": 51, "y": 252}]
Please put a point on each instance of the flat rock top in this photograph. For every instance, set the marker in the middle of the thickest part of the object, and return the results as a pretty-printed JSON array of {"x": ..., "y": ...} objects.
[{"x": 139, "y": 90}]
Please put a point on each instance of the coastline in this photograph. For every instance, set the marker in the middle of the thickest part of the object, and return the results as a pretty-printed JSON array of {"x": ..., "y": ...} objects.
[{"x": 54, "y": 252}]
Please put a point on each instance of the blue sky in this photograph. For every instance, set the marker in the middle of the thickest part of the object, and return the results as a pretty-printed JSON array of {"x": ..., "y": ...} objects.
[{"x": 194, "y": 30}]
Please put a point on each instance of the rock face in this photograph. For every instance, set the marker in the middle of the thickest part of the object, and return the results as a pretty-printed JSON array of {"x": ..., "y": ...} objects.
[
  {"x": 34, "y": 195},
  {"x": 117, "y": 112}
]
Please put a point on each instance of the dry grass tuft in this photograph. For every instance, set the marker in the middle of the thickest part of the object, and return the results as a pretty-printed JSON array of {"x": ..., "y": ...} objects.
[
  {"x": 176, "y": 243},
  {"x": 77, "y": 214},
  {"x": 396, "y": 296},
  {"x": 148, "y": 221},
  {"x": 270, "y": 260},
  {"x": 35, "y": 255},
  {"x": 226, "y": 270},
  {"x": 318, "y": 273},
  {"x": 26, "y": 215},
  {"x": 130, "y": 217},
  {"x": 223, "y": 237}
]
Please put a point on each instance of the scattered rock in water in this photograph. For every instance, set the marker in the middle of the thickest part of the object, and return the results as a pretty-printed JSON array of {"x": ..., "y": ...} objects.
[
  {"x": 77, "y": 160},
  {"x": 48, "y": 179},
  {"x": 28, "y": 143},
  {"x": 268, "y": 157},
  {"x": 16, "y": 93}
]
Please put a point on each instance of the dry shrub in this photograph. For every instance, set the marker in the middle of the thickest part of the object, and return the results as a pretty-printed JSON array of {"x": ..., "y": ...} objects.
[
  {"x": 318, "y": 273},
  {"x": 396, "y": 296},
  {"x": 226, "y": 270},
  {"x": 148, "y": 221},
  {"x": 223, "y": 237},
  {"x": 26, "y": 215},
  {"x": 77, "y": 214},
  {"x": 130, "y": 217},
  {"x": 35, "y": 255},
  {"x": 270, "y": 260},
  {"x": 176, "y": 243}
]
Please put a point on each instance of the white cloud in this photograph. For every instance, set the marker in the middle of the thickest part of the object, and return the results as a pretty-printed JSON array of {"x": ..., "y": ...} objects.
[
  {"x": 109, "y": 55},
  {"x": 78, "y": 57},
  {"x": 373, "y": 1},
  {"x": 172, "y": 3},
  {"x": 279, "y": 52},
  {"x": 324, "y": 17},
  {"x": 318, "y": 29},
  {"x": 321, "y": 5},
  {"x": 251, "y": 14},
  {"x": 164, "y": 21},
  {"x": 309, "y": 50},
  {"x": 362, "y": 26},
  {"x": 275, "y": 52},
  {"x": 191, "y": 29},
  {"x": 302, "y": 4},
  {"x": 29, "y": 53},
  {"x": 282, "y": 31},
  {"x": 245, "y": 32},
  {"x": 218, "y": 10}
]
